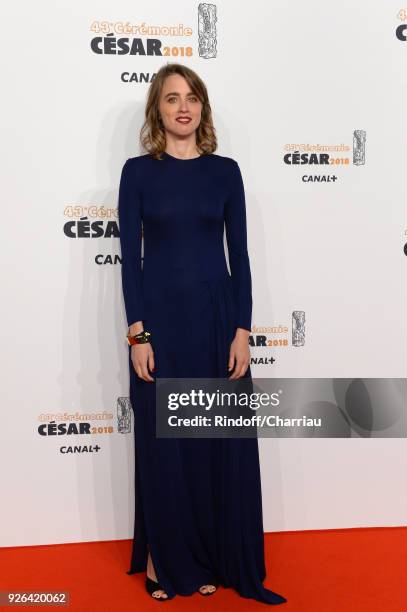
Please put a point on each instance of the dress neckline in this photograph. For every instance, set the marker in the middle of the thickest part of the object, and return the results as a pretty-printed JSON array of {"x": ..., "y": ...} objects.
[{"x": 180, "y": 159}]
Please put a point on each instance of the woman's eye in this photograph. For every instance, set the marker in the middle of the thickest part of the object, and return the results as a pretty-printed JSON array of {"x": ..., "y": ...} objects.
[{"x": 193, "y": 99}]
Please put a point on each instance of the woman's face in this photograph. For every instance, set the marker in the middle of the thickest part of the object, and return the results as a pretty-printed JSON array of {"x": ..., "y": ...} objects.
[{"x": 177, "y": 101}]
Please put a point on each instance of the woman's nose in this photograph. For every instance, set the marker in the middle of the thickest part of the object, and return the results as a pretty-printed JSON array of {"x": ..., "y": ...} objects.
[{"x": 183, "y": 105}]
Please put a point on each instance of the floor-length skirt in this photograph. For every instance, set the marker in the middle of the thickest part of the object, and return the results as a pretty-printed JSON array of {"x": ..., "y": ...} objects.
[{"x": 198, "y": 502}]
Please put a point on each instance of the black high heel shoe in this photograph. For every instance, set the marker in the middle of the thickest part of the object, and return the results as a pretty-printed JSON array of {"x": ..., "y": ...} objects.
[
  {"x": 151, "y": 586},
  {"x": 213, "y": 583}
]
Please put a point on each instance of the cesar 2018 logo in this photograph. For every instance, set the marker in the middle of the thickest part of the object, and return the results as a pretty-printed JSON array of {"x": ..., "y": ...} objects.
[
  {"x": 326, "y": 155},
  {"x": 401, "y": 30}
]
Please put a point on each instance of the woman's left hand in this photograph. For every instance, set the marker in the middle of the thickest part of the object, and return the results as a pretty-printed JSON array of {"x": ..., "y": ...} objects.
[{"x": 239, "y": 356}]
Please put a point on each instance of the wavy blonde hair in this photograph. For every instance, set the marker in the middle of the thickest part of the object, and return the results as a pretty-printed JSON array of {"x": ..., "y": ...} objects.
[{"x": 152, "y": 133}]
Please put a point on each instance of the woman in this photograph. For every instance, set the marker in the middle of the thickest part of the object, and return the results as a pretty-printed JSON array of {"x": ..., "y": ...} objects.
[{"x": 198, "y": 512}]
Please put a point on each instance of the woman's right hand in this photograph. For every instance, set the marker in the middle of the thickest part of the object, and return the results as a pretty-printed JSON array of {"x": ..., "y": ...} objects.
[{"x": 142, "y": 357}]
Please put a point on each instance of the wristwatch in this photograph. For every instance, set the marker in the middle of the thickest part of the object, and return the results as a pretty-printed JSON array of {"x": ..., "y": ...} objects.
[{"x": 140, "y": 338}]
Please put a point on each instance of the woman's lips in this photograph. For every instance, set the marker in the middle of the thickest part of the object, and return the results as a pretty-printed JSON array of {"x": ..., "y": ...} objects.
[{"x": 183, "y": 119}]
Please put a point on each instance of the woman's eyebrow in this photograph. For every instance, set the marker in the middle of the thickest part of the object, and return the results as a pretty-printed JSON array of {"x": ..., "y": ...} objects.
[{"x": 176, "y": 93}]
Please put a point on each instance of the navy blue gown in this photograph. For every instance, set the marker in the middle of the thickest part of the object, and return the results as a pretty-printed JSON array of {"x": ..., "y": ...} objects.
[{"x": 198, "y": 505}]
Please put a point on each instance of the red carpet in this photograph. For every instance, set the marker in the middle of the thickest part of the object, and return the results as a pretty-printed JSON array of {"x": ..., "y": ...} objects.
[{"x": 317, "y": 571}]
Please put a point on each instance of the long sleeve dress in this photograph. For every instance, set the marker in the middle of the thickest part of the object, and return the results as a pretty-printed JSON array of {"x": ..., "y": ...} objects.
[{"x": 198, "y": 506}]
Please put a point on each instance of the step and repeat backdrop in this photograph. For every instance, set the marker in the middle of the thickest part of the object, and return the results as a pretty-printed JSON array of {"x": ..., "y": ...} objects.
[{"x": 309, "y": 98}]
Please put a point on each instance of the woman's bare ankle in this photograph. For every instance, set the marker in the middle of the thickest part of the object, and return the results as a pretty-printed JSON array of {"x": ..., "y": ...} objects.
[{"x": 150, "y": 569}]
